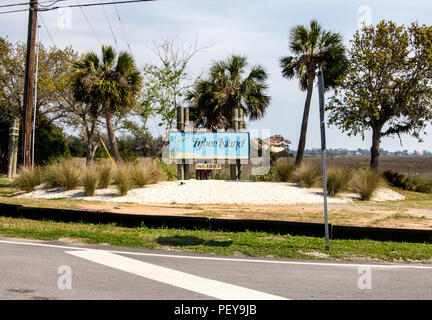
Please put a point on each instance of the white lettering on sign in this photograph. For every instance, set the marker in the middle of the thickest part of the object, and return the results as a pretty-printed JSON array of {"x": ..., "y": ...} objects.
[{"x": 208, "y": 166}]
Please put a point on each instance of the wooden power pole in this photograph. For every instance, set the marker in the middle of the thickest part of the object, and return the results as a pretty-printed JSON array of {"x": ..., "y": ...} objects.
[{"x": 29, "y": 82}]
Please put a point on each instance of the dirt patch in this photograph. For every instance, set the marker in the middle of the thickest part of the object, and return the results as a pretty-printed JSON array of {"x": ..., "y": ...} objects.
[{"x": 130, "y": 208}]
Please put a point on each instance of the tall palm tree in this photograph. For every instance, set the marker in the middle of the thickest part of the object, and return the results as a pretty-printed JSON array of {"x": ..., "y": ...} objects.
[
  {"x": 111, "y": 83},
  {"x": 313, "y": 48},
  {"x": 229, "y": 86}
]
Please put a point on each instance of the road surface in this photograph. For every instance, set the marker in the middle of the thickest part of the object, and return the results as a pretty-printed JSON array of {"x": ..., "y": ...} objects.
[{"x": 41, "y": 270}]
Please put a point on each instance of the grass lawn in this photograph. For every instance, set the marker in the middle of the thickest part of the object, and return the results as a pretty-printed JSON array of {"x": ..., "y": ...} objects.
[{"x": 253, "y": 244}]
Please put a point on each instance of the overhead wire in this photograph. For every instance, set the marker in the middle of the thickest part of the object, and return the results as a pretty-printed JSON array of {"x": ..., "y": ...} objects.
[
  {"x": 109, "y": 24},
  {"x": 73, "y": 6},
  {"x": 88, "y": 21},
  {"x": 124, "y": 32},
  {"x": 46, "y": 29}
]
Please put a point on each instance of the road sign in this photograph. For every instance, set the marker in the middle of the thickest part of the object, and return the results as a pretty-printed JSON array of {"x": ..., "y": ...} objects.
[{"x": 209, "y": 145}]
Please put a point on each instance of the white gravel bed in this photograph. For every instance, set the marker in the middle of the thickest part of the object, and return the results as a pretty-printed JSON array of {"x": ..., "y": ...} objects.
[{"x": 214, "y": 192}]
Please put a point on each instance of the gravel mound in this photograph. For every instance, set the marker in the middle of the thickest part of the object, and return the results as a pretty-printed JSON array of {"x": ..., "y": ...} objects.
[{"x": 215, "y": 192}]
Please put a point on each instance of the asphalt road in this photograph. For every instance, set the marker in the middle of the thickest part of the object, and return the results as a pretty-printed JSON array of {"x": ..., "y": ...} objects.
[{"x": 58, "y": 270}]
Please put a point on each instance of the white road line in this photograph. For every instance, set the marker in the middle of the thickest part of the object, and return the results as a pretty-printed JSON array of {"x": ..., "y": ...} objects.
[
  {"x": 323, "y": 264},
  {"x": 208, "y": 287}
]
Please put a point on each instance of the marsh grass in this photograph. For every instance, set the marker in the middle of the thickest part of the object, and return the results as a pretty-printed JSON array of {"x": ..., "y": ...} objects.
[
  {"x": 28, "y": 179},
  {"x": 307, "y": 175},
  {"x": 365, "y": 182}
]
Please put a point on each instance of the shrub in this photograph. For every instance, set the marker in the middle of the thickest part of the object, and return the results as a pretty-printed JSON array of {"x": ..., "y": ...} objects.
[
  {"x": 89, "y": 180},
  {"x": 284, "y": 170},
  {"x": 307, "y": 175},
  {"x": 28, "y": 179},
  {"x": 169, "y": 172},
  {"x": 105, "y": 176},
  {"x": 365, "y": 182},
  {"x": 62, "y": 174},
  {"x": 337, "y": 180},
  {"x": 123, "y": 178},
  {"x": 408, "y": 183}
]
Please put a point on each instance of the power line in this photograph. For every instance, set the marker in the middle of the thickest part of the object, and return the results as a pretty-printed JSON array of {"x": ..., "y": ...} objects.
[
  {"x": 96, "y": 4},
  {"x": 75, "y": 6},
  {"x": 46, "y": 29},
  {"x": 88, "y": 21},
  {"x": 28, "y": 3},
  {"x": 109, "y": 24},
  {"x": 124, "y": 33}
]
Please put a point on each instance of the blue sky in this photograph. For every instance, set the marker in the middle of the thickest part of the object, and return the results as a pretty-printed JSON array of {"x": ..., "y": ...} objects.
[{"x": 257, "y": 29}]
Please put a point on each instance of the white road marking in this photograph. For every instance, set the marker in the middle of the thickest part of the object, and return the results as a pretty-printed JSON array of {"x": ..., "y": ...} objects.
[
  {"x": 324, "y": 264},
  {"x": 208, "y": 287}
]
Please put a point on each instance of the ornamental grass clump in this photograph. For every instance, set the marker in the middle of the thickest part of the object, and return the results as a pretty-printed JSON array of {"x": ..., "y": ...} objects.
[
  {"x": 143, "y": 175},
  {"x": 27, "y": 179},
  {"x": 338, "y": 180},
  {"x": 365, "y": 182},
  {"x": 90, "y": 180},
  {"x": 307, "y": 175},
  {"x": 284, "y": 170},
  {"x": 62, "y": 174},
  {"x": 105, "y": 176},
  {"x": 123, "y": 178}
]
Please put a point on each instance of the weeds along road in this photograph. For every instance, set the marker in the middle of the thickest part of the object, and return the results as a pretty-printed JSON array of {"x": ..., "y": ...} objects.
[{"x": 56, "y": 270}]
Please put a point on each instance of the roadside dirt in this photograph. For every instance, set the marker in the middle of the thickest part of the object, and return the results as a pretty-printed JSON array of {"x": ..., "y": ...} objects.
[{"x": 373, "y": 215}]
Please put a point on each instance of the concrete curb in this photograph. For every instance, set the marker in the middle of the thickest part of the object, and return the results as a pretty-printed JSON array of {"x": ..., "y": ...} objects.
[{"x": 231, "y": 225}]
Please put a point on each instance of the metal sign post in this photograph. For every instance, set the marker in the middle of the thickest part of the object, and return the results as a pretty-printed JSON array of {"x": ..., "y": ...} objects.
[{"x": 323, "y": 152}]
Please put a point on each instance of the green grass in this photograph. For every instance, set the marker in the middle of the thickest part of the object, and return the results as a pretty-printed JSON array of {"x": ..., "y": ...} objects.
[{"x": 253, "y": 244}]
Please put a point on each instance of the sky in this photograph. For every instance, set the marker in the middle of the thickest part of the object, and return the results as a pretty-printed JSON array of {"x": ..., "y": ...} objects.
[{"x": 257, "y": 29}]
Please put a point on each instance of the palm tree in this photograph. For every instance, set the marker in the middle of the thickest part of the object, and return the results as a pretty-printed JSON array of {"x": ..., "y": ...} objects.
[
  {"x": 228, "y": 87},
  {"x": 313, "y": 48},
  {"x": 111, "y": 83}
]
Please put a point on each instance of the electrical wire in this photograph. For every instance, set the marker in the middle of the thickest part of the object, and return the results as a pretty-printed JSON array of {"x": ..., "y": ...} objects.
[
  {"x": 88, "y": 21},
  {"x": 75, "y": 6},
  {"x": 46, "y": 29},
  {"x": 124, "y": 32},
  {"x": 109, "y": 24}
]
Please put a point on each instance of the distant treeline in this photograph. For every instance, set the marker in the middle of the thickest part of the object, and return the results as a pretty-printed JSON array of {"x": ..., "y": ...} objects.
[{"x": 363, "y": 152}]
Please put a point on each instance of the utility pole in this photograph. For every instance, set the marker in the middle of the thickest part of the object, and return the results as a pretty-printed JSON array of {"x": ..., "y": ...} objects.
[
  {"x": 35, "y": 97},
  {"x": 29, "y": 82}
]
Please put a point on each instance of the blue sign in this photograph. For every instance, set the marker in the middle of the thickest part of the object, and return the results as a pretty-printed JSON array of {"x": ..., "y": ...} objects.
[{"x": 209, "y": 145}]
